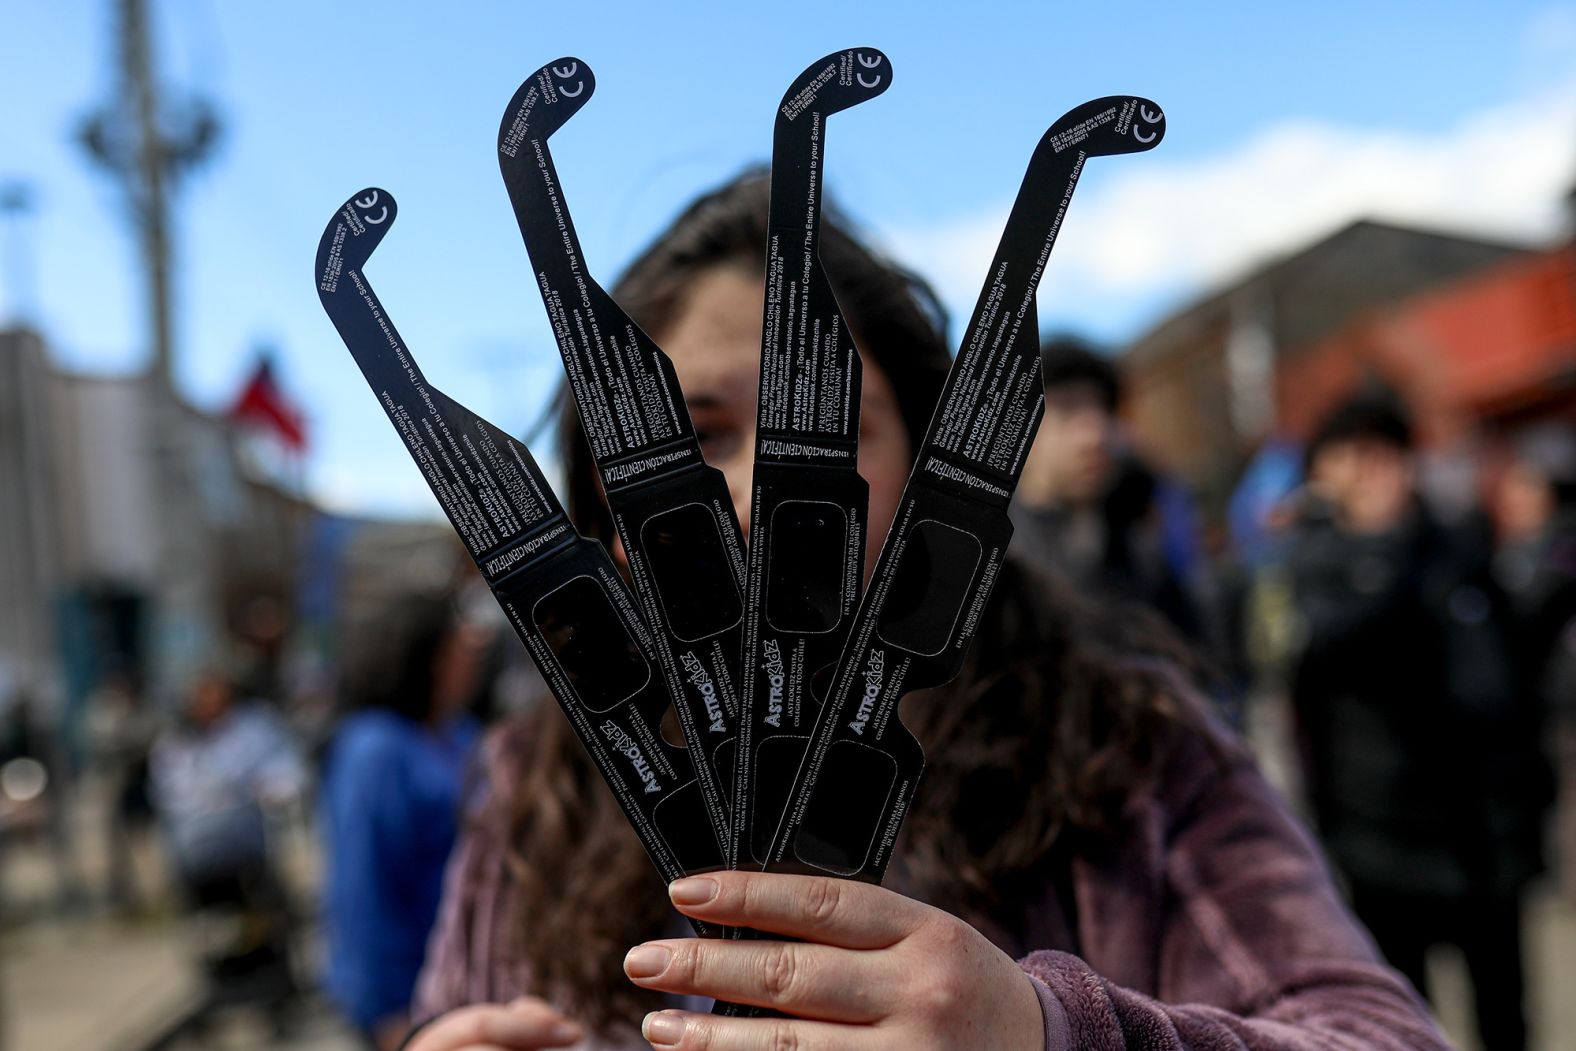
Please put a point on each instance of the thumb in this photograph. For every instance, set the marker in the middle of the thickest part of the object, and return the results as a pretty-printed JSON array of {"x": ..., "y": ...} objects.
[
  {"x": 540, "y": 1022},
  {"x": 523, "y": 1025}
]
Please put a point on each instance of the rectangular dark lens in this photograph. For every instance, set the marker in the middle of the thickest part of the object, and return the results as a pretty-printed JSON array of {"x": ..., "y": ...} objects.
[
  {"x": 689, "y": 563},
  {"x": 929, "y": 587},
  {"x": 593, "y": 647},
  {"x": 776, "y": 763},
  {"x": 804, "y": 568},
  {"x": 844, "y": 815},
  {"x": 683, "y": 823}
]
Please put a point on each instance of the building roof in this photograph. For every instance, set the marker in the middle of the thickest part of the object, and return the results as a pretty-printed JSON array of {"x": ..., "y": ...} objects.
[
  {"x": 1499, "y": 343},
  {"x": 1313, "y": 291}
]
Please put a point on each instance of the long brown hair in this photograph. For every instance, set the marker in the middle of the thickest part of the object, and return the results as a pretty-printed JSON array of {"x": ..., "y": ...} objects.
[{"x": 1050, "y": 710}]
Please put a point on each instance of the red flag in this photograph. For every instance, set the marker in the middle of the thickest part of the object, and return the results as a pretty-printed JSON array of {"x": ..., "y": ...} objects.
[{"x": 262, "y": 404}]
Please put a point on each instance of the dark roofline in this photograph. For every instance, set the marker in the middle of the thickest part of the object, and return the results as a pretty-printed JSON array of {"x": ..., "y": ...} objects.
[
  {"x": 1269, "y": 269},
  {"x": 137, "y": 375}
]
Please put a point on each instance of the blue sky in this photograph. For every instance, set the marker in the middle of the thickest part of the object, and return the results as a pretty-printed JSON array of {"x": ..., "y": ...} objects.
[{"x": 1284, "y": 122}]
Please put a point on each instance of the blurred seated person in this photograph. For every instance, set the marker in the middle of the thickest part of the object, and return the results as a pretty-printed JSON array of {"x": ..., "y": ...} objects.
[
  {"x": 214, "y": 776},
  {"x": 1421, "y": 749},
  {"x": 1088, "y": 510},
  {"x": 391, "y": 800},
  {"x": 120, "y": 731}
]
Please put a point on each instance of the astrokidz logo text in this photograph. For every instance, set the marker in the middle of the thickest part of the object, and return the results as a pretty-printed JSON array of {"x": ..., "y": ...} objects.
[
  {"x": 626, "y": 746},
  {"x": 774, "y": 678},
  {"x": 875, "y": 673},
  {"x": 699, "y": 678}
]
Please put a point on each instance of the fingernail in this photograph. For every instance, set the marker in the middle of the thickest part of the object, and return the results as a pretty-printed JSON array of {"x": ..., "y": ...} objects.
[
  {"x": 646, "y": 961},
  {"x": 663, "y": 1028},
  {"x": 694, "y": 890},
  {"x": 565, "y": 1031}
]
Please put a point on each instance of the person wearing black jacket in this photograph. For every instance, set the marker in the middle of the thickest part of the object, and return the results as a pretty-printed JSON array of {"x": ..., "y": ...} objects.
[
  {"x": 1536, "y": 566},
  {"x": 1420, "y": 745},
  {"x": 1089, "y": 510}
]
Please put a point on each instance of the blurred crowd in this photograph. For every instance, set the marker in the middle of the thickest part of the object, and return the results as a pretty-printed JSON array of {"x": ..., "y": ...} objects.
[
  {"x": 1426, "y": 653},
  {"x": 1426, "y": 648}
]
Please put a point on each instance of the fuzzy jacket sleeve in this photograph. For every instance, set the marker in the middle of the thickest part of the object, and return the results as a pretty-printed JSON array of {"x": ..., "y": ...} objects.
[{"x": 1249, "y": 946}]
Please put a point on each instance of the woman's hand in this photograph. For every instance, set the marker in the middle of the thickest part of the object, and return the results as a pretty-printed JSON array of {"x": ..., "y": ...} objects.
[
  {"x": 874, "y": 970},
  {"x": 524, "y": 1025}
]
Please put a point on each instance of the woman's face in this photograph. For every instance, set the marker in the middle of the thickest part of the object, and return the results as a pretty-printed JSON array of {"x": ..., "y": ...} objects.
[{"x": 715, "y": 344}]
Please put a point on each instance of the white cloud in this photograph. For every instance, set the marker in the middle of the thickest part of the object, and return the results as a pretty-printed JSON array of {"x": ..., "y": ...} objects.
[{"x": 1154, "y": 230}]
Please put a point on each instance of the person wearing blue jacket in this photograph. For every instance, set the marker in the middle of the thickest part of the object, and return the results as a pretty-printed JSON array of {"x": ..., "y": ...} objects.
[{"x": 392, "y": 789}]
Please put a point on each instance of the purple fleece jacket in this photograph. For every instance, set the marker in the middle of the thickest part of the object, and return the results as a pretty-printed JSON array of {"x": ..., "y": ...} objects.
[{"x": 1213, "y": 925}]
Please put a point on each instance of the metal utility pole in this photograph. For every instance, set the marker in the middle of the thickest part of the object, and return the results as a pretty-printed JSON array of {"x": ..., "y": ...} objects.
[
  {"x": 153, "y": 212},
  {"x": 146, "y": 143}
]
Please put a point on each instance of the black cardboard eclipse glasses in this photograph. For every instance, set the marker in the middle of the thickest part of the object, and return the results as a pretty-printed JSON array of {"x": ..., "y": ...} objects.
[
  {"x": 560, "y": 591},
  {"x": 686, "y": 554},
  {"x": 950, "y": 533},
  {"x": 673, "y": 513},
  {"x": 808, "y": 501}
]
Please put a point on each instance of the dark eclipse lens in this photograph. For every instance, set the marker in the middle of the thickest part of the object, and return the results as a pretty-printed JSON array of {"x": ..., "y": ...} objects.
[
  {"x": 591, "y": 644},
  {"x": 848, "y": 803},
  {"x": 684, "y": 549},
  {"x": 929, "y": 587},
  {"x": 804, "y": 568}
]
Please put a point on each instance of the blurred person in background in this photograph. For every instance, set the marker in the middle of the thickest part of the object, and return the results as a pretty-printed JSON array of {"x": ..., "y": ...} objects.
[
  {"x": 1536, "y": 565},
  {"x": 391, "y": 799},
  {"x": 1421, "y": 749},
  {"x": 1089, "y": 510},
  {"x": 215, "y": 777},
  {"x": 1252, "y": 611},
  {"x": 121, "y": 731}
]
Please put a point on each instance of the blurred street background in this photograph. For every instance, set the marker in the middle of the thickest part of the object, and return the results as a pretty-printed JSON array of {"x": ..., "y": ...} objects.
[{"x": 205, "y": 519}]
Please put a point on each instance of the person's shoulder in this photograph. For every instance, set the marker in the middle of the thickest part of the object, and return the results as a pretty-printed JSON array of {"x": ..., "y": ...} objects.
[
  {"x": 1195, "y": 750},
  {"x": 372, "y": 734},
  {"x": 465, "y": 732}
]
